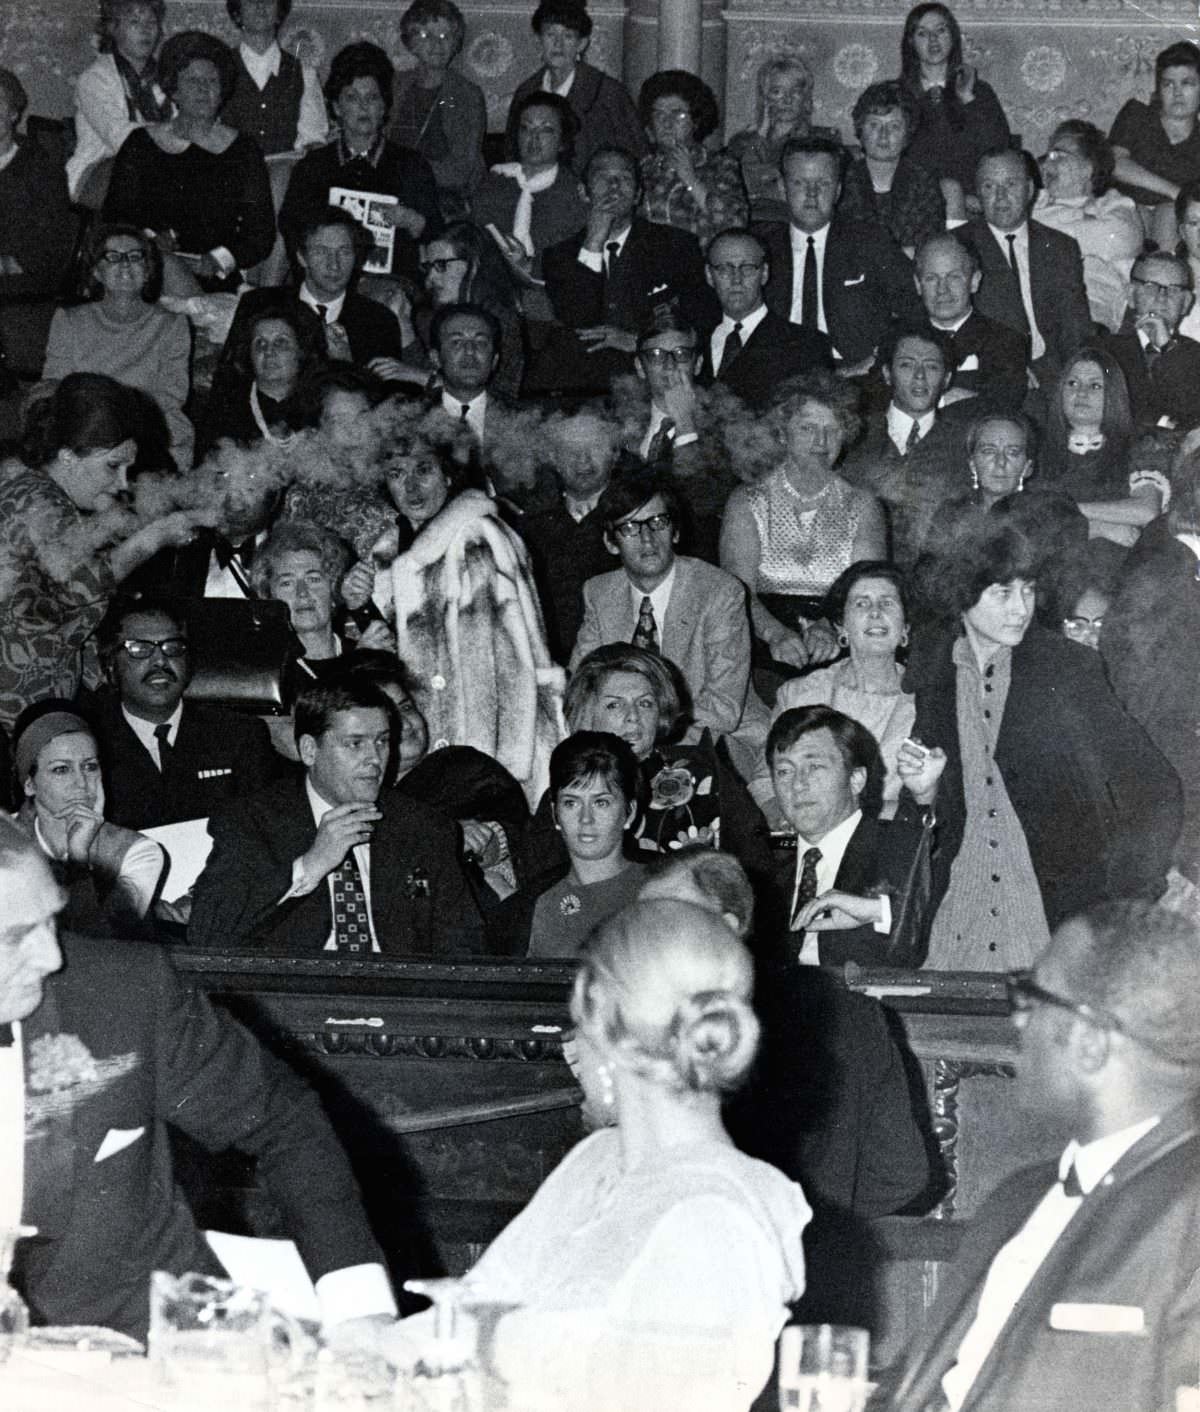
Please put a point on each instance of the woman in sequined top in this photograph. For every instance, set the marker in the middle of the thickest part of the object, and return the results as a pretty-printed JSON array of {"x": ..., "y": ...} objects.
[
  {"x": 683, "y": 183},
  {"x": 791, "y": 533}
]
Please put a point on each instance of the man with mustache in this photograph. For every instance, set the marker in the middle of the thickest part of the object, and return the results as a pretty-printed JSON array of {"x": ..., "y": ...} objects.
[
  {"x": 330, "y": 865},
  {"x": 166, "y": 759}
]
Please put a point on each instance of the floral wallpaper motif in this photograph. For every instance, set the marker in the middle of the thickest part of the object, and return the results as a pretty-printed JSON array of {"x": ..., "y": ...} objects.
[{"x": 1057, "y": 67}]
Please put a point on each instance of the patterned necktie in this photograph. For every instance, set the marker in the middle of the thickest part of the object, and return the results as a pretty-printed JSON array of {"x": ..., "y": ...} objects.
[
  {"x": 808, "y": 885},
  {"x": 914, "y": 435},
  {"x": 351, "y": 922},
  {"x": 660, "y": 442},
  {"x": 645, "y": 635},
  {"x": 808, "y": 289},
  {"x": 162, "y": 734},
  {"x": 733, "y": 346}
]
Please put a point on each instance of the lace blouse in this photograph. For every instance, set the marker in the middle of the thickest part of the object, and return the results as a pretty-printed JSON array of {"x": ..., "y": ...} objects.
[{"x": 805, "y": 543}]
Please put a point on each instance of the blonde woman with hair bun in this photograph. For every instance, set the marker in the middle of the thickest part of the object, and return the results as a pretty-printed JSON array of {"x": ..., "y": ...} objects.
[{"x": 655, "y": 1265}]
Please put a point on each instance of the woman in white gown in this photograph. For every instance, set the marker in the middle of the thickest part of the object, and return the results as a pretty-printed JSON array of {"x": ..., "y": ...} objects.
[{"x": 654, "y": 1266}]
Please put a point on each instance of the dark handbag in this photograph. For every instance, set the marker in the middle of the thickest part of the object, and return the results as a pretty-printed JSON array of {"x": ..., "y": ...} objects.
[
  {"x": 240, "y": 647},
  {"x": 908, "y": 944}
]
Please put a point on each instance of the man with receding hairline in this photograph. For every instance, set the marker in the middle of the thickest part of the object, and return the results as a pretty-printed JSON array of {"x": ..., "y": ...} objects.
[
  {"x": 95, "y": 1062},
  {"x": 1161, "y": 365},
  {"x": 1078, "y": 1283}
]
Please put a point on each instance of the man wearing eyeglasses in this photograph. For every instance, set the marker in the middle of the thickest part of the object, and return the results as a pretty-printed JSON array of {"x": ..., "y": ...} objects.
[
  {"x": 687, "y": 611},
  {"x": 752, "y": 349},
  {"x": 166, "y": 759},
  {"x": 1161, "y": 365},
  {"x": 1077, "y": 1283}
]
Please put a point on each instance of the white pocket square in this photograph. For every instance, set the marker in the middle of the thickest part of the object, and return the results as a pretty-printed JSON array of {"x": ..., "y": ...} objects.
[
  {"x": 116, "y": 1140},
  {"x": 1098, "y": 1318},
  {"x": 858, "y": 279},
  {"x": 970, "y": 364}
]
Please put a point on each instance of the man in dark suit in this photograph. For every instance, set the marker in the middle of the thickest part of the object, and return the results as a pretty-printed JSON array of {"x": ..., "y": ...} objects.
[
  {"x": 988, "y": 359},
  {"x": 330, "y": 864},
  {"x": 604, "y": 282},
  {"x": 330, "y": 251},
  {"x": 112, "y": 1049},
  {"x": 752, "y": 349},
  {"x": 910, "y": 455},
  {"x": 1161, "y": 365},
  {"x": 1032, "y": 275},
  {"x": 847, "y": 279},
  {"x": 166, "y": 759},
  {"x": 1076, "y": 1284},
  {"x": 846, "y": 893}
]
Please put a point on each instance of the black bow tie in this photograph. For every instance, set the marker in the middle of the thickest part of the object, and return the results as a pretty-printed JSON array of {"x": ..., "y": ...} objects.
[{"x": 226, "y": 552}]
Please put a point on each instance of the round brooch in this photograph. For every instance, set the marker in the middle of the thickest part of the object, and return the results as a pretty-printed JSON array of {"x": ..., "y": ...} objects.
[{"x": 569, "y": 904}]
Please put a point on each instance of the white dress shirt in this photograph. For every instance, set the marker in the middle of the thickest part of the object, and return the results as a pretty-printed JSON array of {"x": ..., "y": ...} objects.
[
  {"x": 312, "y": 123},
  {"x": 1021, "y": 250},
  {"x": 476, "y": 410},
  {"x": 1015, "y": 1264},
  {"x": 597, "y": 260},
  {"x": 562, "y": 89},
  {"x": 144, "y": 730},
  {"x": 899, "y": 426},
  {"x": 332, "y": 307},
  {"x": 799, "y": 253},
  {"x": 725, "y": 328},
  {"x": 222, "y": 582},
  {"x": 833, "y": 849},
  {"x": 657, "y": 417},
  {"x": 302, "y": 886},
  {"x": 579, "y": 510}
]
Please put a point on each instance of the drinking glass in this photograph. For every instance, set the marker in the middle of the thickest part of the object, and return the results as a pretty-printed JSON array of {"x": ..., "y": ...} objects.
[{"x": 823, "y": 1368}]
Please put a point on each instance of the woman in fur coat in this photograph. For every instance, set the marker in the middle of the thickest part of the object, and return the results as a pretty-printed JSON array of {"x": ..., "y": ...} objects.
[{"x": 467, "y": 618}]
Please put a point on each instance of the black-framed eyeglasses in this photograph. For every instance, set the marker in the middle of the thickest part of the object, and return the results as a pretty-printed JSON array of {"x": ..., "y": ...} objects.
[
  {"x": 631, "y": 529},
  {"x": 681, "y": 357},
  {"x": 124, "y": 257},
  {"x": 1160, "y": 289},
  {"x": 747, "y": 269},
  {"x": 142, "y": 648},
  {"x": 1024, "y": 992},
  {"x": 440, "y": 267}
]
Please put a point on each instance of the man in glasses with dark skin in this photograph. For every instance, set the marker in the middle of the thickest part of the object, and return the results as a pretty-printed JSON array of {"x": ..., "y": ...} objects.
[
  {"x": 1161, "y": 365},
  {"x": 1078, "y": 1283},
  {"x": 166, "y": 759}
]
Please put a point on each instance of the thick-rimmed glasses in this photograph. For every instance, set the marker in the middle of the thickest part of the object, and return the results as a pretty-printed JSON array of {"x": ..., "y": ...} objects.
[
  {"x": 1024, "y": 993},
  {"x": 143, "y": 648},
  {"x": 631, "y": 529},
  {"x": 439, "y": 267},
  {"x": 124, "y": 257}
]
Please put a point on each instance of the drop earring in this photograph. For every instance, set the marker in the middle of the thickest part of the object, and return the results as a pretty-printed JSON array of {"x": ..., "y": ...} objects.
[
  {"x": 608, "y": 1090},
  {"x": 974, "y": 479}
]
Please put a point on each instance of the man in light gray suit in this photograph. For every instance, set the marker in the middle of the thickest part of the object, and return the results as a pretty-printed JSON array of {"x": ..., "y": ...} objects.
[{"x": 695, "y": 615}]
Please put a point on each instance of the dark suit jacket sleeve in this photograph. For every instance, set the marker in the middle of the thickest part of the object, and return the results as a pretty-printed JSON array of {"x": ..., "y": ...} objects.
[
  {"x": 456, "y": 923},
  {"x": 220, "y": 1086},
  {"x": 895, "y": 273},
  {"x": 1075, "y": 319},
  {"x": 576, "y": 293},
  {"x": 237, "y": 895}
]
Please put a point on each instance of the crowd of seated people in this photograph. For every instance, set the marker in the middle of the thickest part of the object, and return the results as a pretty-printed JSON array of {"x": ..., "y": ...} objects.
[
  {"x": 751, "y": 411},
  {"x": 636, "y": 498}
]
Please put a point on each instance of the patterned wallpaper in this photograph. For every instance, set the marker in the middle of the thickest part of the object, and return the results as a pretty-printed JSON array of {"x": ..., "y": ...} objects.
[
  {"x": 1046, "y": 59},
  {"x": 49, "y": 42}
]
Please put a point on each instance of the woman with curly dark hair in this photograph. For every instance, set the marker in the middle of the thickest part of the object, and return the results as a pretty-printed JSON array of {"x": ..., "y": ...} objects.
[
  {"x": 959, "y": 115},
  {"x": 198, "y": 185},
  {"x": 1051, "y": 797},
  {"x": 684, "y": 184},
  {"x": 361, "y": 159},
  {"x": 274, "y": 353},
  {"x": 885, "y": 186},
  {"x": 791, "y": 533},
  {"x": 605, "y": 110}
]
